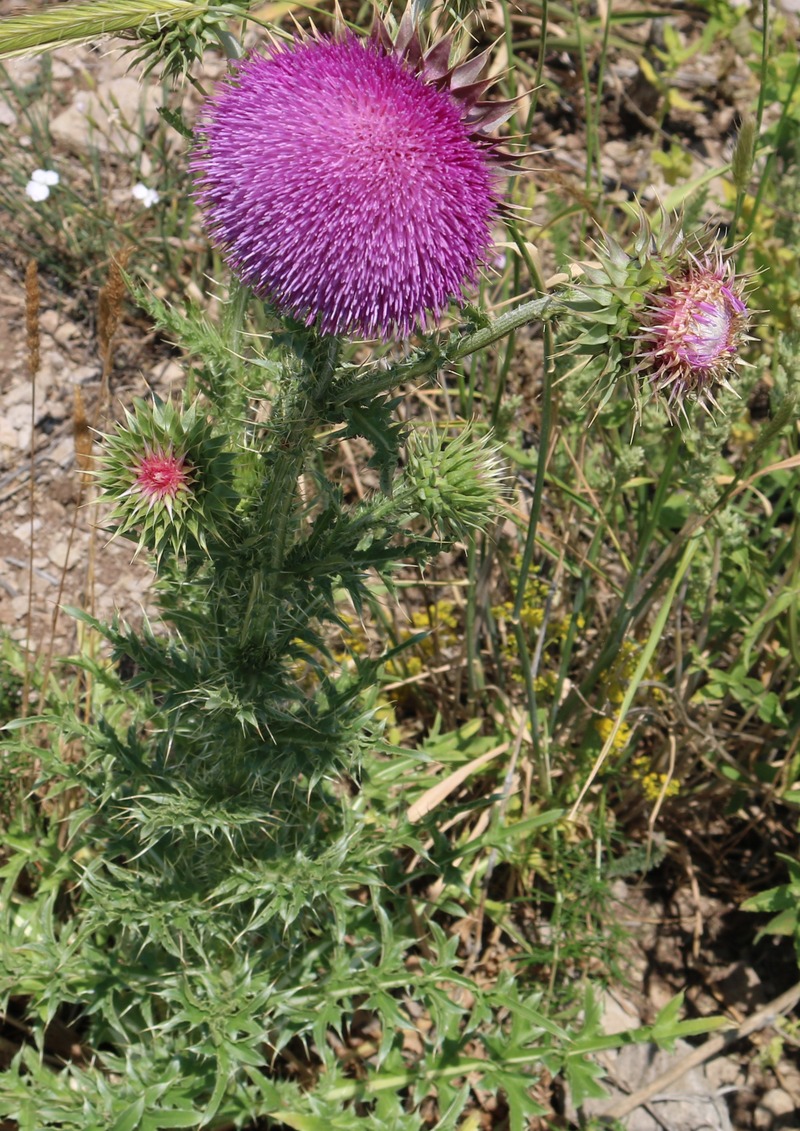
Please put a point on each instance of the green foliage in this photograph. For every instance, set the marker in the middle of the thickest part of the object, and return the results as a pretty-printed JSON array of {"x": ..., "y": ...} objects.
[
  {"x": 176, "y": 46},
  {"x": 76, "y": 23},
  {"x": 783, "y": 903}
]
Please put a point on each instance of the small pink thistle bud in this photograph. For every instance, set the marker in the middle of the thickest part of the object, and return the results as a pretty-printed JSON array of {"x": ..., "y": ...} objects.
[
  {"x": 692, "y": 334},
  {"x": 160, "y": 477},
  {"x": 168, "y": 478}
]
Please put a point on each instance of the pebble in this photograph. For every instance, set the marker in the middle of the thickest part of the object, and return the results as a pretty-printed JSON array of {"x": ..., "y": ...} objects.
[
  {"x": 96, "y": 119},
  {"x": 772, "y": 1105},
  {"x": 23, "y": 531},
  {"x": 59, "y": 555}
]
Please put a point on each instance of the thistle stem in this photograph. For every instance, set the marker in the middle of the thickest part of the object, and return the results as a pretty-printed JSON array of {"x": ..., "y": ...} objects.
[{"x": 456, "y": 348}]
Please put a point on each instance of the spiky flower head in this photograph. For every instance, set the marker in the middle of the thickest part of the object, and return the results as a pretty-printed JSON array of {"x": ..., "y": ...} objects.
[
  {"x": 168, "y": 477},
  {"x": 454, "y": 482},
  {"x": 160, "y": 477},
  {"x": 692, "y": 333},
  {"x": 351, "y": 182},
  {"x": 669, "y": 317}
]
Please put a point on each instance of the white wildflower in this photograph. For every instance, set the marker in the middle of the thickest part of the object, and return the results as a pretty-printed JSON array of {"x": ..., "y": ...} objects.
[
  {"x": 42, "y": 180},
  {"x": 45, "y": 177},
  {"x": 148, "y": 196}
]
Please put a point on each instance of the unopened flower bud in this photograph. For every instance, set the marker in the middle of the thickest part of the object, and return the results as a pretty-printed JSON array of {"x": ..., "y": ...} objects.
[
  {"x": 454, "y": 483},
  {"x": 168, "y": 477}
]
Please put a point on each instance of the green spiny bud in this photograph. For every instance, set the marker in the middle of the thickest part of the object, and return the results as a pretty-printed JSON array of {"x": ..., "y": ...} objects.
[{"x": 455, "y": 483}]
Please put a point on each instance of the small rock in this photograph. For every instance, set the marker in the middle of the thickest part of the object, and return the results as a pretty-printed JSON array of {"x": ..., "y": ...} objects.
[
  {"x": 62, "y": 70},
  {"x": 23, "y": 70},
  {"x": 107, "y": 119},
  {"x": 772, "y": 1105},
  {"x": 688, "y": 1104},
  {"x": 619, "y": 1013},
  {"x": 23, "y": 531},
  {"x": 62, "y": 454},
  {"x": 66, "y": 332},
  {"x": 18, "y": 398},
  {"x": 65, "y": 489},
  {"x": 82, "y": 374},
  {"x": 169, "y": 374},
  {"x": 8, "y": 435},
  {"x": 48, "y": 321},
  {"x": 19, "y": 605},
  {"x": 58, "y": 553}
]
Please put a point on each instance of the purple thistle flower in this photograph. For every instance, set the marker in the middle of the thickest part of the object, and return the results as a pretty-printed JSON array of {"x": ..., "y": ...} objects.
[
  {"x": 350, "y": 182},
  {"x": 693, "y": 332}
]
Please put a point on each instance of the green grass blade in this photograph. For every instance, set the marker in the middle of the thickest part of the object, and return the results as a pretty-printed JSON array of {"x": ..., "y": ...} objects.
[{"x": 44, "y": 31}]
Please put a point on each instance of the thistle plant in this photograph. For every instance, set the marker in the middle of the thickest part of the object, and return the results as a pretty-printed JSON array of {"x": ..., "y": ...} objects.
[
  {"x": 215, "y": 854},
  {"x": 224, "y": 891}
]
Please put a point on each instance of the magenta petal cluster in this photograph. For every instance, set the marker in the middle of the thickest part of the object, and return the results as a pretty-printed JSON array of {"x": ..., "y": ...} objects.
[
  {"x": 159, "y": 477},
  {"x": 693, "y": 333},
  {"x": 344, "y": 187}
]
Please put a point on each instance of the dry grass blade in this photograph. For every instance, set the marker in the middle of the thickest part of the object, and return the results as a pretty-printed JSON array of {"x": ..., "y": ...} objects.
[
  {"x": 44, "y": 31},
  {"x": 32, "y": 299},
  {"x": 442, "y": 789}
]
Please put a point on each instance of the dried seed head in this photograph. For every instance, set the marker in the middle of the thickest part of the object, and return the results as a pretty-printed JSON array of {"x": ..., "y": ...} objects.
[
  {"x": 109, "y": 306},
  {"x": 83, "y": 437}
]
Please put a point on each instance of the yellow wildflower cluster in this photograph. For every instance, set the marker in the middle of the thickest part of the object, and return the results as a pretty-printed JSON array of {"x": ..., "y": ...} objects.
[
  {"x": 604, "y": 728},
  {"x": 616, "y": 679},
  {"x": 618, "y": 676},
  {"x": 653, "y": 783},
  {"x": 531, "y": 616},
  {"x": 440, "y": 620},
  {"x": 440, "y": 616},
  {"x": 354, "y": 640}
]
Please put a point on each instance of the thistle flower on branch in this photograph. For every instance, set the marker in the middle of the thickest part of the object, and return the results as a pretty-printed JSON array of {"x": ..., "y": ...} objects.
[
  {"x": 350, "y": 182},
  {"x": 168, "y": 477},
  {"x": 670, "y": 317}
]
